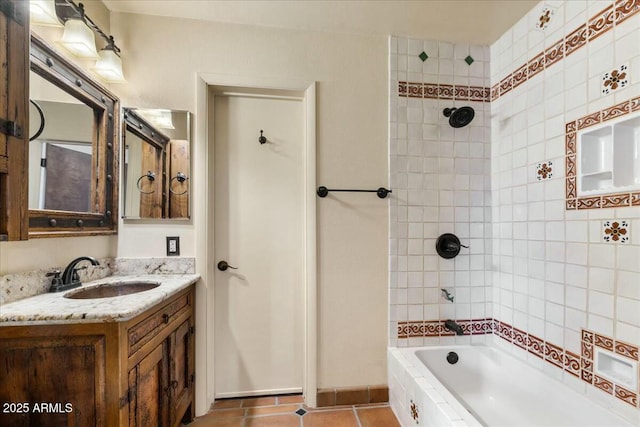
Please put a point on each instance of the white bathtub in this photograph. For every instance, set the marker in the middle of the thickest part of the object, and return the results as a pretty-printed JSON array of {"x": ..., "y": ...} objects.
[{"x": 486, "y": 387}]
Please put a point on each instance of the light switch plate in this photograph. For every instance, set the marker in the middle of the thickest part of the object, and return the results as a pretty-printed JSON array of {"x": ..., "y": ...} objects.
[{"x": 173, "y": 245}]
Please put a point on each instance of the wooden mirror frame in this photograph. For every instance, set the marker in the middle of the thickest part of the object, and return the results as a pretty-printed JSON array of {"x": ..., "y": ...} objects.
[
  {"x": 137, "y": 125},
  {"x": 55, "y": 68}
]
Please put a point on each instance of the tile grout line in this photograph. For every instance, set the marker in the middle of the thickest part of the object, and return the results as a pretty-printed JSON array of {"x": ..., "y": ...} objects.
[{"x": 355, "y": 413}]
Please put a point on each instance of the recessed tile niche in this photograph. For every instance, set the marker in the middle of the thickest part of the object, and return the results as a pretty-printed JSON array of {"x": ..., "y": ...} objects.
[
  {"x": 603, "y": 158},
  {"x": 608, "y": 159}
]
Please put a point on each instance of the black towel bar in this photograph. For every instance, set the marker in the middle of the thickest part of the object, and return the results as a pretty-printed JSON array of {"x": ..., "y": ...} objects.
[{"x": 381, "y": 192}]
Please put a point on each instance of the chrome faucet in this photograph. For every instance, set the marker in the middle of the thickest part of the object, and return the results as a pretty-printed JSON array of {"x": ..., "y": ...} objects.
[
  {"x": 453, "y": 326},
  {"x": 70, "y": 278}
]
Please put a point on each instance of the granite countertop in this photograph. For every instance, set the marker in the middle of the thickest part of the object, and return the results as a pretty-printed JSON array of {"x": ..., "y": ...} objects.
[{"x": 54, "y": 308}]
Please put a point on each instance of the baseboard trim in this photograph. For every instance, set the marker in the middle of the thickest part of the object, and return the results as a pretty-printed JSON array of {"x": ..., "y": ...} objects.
[{"x": 353, "y": 395}]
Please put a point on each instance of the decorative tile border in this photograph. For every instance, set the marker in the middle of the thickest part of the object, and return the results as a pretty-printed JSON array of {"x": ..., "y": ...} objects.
[
  {"x": 443, "y": 91},
  {"x": 597, "y": 26},
  {"x": 580, "y": 366},
  {"x": 609, "y": 200},
  {"x": 435, "y": 328}
]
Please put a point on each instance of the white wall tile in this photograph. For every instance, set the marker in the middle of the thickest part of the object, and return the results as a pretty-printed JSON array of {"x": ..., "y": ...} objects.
[{"x": 544, "y": 268}]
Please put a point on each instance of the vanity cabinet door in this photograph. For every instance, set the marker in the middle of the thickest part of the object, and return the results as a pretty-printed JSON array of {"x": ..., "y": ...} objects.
[
  {"x": 148, "y": 389},
  {"x": 14, "y": 99},
  {"x": 182, "y": 373},
  {"x": 53, "y": 381}
]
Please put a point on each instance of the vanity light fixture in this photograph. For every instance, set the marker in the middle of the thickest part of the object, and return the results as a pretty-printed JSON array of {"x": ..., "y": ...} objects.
[
  {"x": 158, "y": 117},
  {"x": 78, "y": 38},
  {"x": 109, "y": 65},
  {"x": 43, "y": 12}
]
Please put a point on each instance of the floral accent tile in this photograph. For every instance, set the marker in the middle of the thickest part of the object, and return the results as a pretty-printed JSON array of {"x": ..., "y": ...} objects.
[
  {"x": 615, "y": 231},
  {"x": 415, "y": 412},
  {"x": 615, "y": 79},
  {"x": 545, "y": 18},
  {"x": 544, "y": 170}
]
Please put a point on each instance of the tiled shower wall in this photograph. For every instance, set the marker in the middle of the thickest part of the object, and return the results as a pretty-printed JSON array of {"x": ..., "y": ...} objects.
[
  {"x": 440, "y": 181},
  {"x": 556, "y": 272},
  {"x": 549, "y": 273}
]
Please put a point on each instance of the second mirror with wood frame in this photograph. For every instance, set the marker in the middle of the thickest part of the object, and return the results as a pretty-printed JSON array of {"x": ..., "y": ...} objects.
[{"x": 156, "y": 164}]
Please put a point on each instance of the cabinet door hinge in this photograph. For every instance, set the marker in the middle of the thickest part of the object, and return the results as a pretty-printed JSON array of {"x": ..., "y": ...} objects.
[
  {"x": 10, "y": 128},
  {"x": 43, "y": 163}
]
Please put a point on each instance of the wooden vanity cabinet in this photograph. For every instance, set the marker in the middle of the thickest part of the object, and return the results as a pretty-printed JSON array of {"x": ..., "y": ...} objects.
[{"x": 134, "y": 373}]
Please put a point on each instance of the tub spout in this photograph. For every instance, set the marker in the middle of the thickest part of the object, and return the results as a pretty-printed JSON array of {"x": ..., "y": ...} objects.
[{"x": 453, "y": 326}]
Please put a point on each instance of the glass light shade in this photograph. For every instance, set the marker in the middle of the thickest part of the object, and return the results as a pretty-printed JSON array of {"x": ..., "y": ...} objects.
[
  {"x": 160, "y": 118},
  {"x": 43, "y": 12},
  {"x": 109, "y": 66},
  {"x": 79, "y": 39}
]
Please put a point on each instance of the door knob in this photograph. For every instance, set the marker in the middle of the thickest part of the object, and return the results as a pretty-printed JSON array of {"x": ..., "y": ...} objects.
[{"x": 224, "y": 265}]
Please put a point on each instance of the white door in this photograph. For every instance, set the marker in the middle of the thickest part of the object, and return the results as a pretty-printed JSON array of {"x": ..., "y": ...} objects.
[{"x": 259, "y": 220}]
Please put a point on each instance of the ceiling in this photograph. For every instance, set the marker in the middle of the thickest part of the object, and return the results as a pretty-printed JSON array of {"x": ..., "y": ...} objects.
[{"x": 472, "y": 21}]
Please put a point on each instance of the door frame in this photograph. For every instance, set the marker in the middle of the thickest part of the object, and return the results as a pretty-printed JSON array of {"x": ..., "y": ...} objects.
[{"x": 203, "y": 219}]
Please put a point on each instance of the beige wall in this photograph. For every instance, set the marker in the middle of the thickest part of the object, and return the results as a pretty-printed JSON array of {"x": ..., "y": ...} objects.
[{"x": 161, "y": 58}]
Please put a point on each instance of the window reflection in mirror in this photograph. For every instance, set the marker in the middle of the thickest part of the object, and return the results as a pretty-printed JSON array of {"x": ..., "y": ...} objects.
[
  {"x": 60, "y": 157},
  {"x": 156, "y": 176}
]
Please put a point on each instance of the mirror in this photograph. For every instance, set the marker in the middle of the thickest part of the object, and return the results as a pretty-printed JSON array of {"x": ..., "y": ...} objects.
[
  {"x": 156, "y": 163},
  {"x": 72, "y": 160},
  {"x": 60, "y": 149}
]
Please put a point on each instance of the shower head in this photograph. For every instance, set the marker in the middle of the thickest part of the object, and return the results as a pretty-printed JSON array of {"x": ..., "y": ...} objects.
[{"x": 459, "y": 117}]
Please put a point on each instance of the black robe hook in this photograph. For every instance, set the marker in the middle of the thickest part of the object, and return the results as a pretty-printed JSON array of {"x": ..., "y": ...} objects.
[{"x": 262, "y": 139}]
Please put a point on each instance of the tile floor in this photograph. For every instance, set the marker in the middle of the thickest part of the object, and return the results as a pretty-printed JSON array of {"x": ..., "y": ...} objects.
[{"x": 290, "y": 411}]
